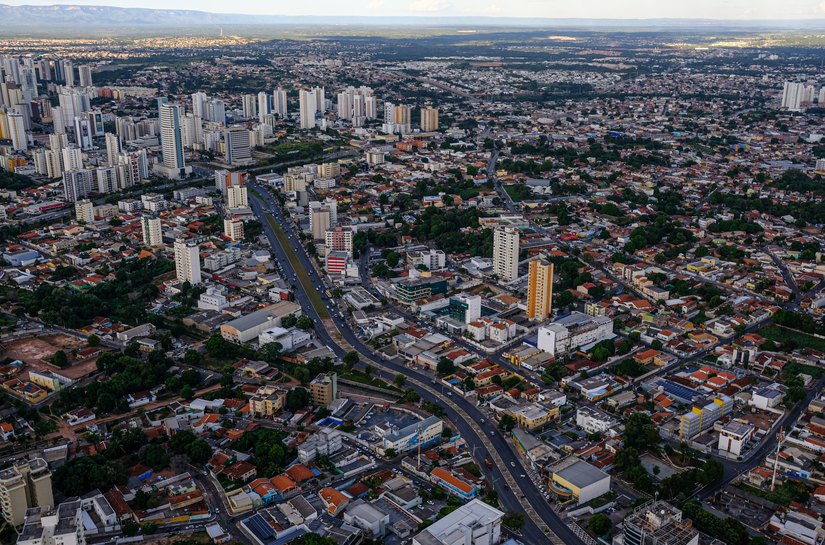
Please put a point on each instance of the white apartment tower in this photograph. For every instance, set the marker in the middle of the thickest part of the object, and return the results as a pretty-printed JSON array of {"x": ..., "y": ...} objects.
[
  {"x": 152, "y": 232},
  {"x": 187, "y": 262},
  {"x": 505, "y": 253}
]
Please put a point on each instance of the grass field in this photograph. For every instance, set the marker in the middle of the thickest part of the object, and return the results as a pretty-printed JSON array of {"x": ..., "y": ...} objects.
[
  {"x": 303, "y": 277},
  {"x": 780, "y": 335}
]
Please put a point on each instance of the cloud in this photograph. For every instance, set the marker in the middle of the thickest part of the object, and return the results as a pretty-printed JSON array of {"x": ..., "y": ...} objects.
[
  {"x": 429, "y": 5},
  {"x": 376, "y": 4},
  {"x": 821, "y": 7},
  {"x": 495, "y": 8}
]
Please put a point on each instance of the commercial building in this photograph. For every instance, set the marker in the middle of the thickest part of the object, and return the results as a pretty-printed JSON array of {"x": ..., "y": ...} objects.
[
  {"x": 703, "y": 417},
  {"x": 336, "y": 262},
  {"x": 238, "y": 149},
  {"x": 248, "y": 327},
  {"x": 657, "y": 523},
  {"x": 23, "y": 485},
  {"x": 465, "y": 308},
  {"x": 474, "y": 523},
  {"x": 540, "y": 289},
  {"x": 734, "y": 436},
  {"x": 592, "y": 420},
  {"x": 431, "y": 260},
  {"x": 573, "y": 477},
  {"x": 289, "y": 339},
  {"x": 424, "y": 433},
  {"x": 506, "y": 253},
  {"x": 323, "y": 389},
  {"x": 187, "y": 262},
  {"x": 572, "y": 332},
  {"x": 411, "y": 290}
]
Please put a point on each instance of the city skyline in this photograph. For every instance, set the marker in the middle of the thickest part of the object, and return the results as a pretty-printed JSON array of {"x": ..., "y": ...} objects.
[{"x": 552, "y": 9}]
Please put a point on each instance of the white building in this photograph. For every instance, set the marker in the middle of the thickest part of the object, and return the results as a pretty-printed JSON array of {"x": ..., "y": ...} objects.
[
  {"x": 187, "y": 262},
  {"x": 433, "y": 260},
  {"x": 236, "y": 197},
  {"x": 212, "y": 299},
  {"x": 734, "y": 436},
  {"x": 308, "y": 104},
  {"x": 506, "y": 253},
  {"x": 84, "y": 211},
  {"x": 174, "y": 161},
  {"x": 592, "y": 420},
  {"x": 62, "y": 525},
  {"x": 233, "y": 228},
  {"x": 474, "y": 523},
  {"x": 573, "y": 332},
  {"x": 289, "y": 339}
]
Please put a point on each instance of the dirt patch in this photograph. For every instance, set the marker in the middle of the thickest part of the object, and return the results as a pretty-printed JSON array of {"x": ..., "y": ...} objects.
[{"x": 37, "y": 351}]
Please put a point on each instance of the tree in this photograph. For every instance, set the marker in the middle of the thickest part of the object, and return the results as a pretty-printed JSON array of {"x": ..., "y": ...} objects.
[
  {"x": 392, "y": 259},
  {"x": 399, "y": 380},
  {"x": 599, "y": 524},
  {"x": 390, "y": 453},
  {"x": 130, "y": 528},
  {"x": 306, "y": 323},
  {"x": 445, "y": 367},
  {"x": 191, "y": 357},
  {"x": 187, "y": 392},
  {"x": 513, "y": 520},
  {"x": 507, "y": 423},
  {"x": 93, "y": 340},
  {"x": 296, "y": 398},
  {"x": 640, "y": 433},
  {"x": 351, "y": 358},
  {"x": 313, "y": 539},
  {"x": 60, "y": 359}
]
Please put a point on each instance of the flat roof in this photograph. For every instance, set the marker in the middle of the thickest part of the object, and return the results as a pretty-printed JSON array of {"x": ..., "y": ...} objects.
[{"x": 582, "y": 474}]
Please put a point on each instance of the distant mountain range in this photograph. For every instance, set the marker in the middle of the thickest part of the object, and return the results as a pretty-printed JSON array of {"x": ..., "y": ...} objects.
[{"x": 110, "y": 16}]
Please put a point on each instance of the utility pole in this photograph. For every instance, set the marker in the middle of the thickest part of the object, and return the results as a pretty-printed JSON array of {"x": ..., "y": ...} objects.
[{"x": 780, "y": 437}]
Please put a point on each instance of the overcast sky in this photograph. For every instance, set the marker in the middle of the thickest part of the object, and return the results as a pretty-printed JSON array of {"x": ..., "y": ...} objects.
[{"x": 607, "y": 9}]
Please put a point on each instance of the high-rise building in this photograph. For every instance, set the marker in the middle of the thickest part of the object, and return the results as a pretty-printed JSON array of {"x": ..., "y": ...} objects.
[
  {"x": 237, "y": 145},
  {"x": 62, "y": 525},
  {"x": 68, "y": 73},
  {"x": 465, "y": 308},
  {"x": 77, "y": 184},
  {"x": 506, "y": 253},
  {"x": 23, "y": 485},
  {"x": 83, "y": 132},
  {"x": 308, "y": 104},
  {"x": 199, "y": 104},
  {"x": 540, "y": 289},
  {"x": 233, "y": 229},
  {"x": 264, "y": 106},
  {"x": 84, "y": 211},
  {"x": 319, "y": 221},
  {"x": 187, "y": 262},
  {"x": 429, "y": 119},
  {"x": 85, "y": 75},
  {"x": 112, "y": 149},
  {"x": 152, "y": 232},
  {"x": 796, "y": 96},
  {"x": 658, "y": 523},
  {"x": 250, "y": 106},
  {"x": 174, "y": 161},
  {"x": 320, "y": 99},
  {"x": 338, "y": 239},
  {"x": 72, "y": 158},
  {"x": 323, "y": 389},
  {"x": 236, "y": 197},
  {"x": 58, "y": 120},
  {"x": 279, "y": 106},
  {"x": 17, "y": 129},
  {"x": 332, "y": 204}
]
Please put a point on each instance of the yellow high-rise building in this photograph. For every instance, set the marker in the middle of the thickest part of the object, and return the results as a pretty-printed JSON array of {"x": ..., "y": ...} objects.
[{"x": 540, "y": 289}]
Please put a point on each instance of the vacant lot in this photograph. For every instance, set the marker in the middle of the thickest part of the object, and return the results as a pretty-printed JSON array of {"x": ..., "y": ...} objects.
[{"x": 37, "y": 351}]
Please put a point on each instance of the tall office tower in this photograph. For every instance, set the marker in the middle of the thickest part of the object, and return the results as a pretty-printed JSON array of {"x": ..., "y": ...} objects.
[
  {"x": 58, "y": 141},
  {"x": 215, "y": 111},
  {"x": 84, "y": 211},
  {"x": 83, "y": 133},
  {"x": 320, "y": 99},
  {"x": 236, "y": 197},
  {"x": 237, "y": 145},
  {"x": 58, "y": 120},
  {"x": 72, "y": 158},
  {"x": 370, "y": 107},
  {"x": 199, "y": 104},
  {"x": 85, "y": 75},
  {"x": 17, "y": 130},
  {"x": 77, "y": 184},
  {"x": 250, "y": 106},
  {"x": 264, "y": 106},
  {"x": 308, "y": 105},
  {"x": 345, "y": 103},
  {"x": 233, "y": 229},
  {"x": 23, "y": 485},
  {"x": 505, "y": 253},
  {"x": 332, "y": 204},
  {"x": 540, "y": 290},
  {"x": 112, "y": 149},
  {"x": 68, "y": 73},
  {"x": 429, "y": 119},
  {"x": 152, "y": 232},
  {"x": 187, "y": 262},
  {"x": 658, "y": 523},
  {"x": 279, "y": 102},
  {"x": 174, "y": 161}
]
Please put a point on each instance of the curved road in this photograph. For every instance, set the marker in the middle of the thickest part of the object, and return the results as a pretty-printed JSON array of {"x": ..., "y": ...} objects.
[{"x": 515, "y": 493}]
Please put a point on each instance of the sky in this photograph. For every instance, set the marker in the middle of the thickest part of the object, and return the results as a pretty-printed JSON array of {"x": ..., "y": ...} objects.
[{"x": 598, "y": 9}]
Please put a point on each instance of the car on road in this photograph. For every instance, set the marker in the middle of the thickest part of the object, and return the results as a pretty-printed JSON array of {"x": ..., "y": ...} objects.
[{"x": 512, "y": 464}]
